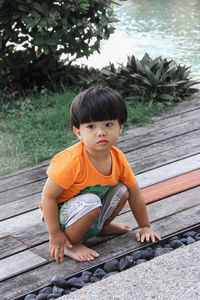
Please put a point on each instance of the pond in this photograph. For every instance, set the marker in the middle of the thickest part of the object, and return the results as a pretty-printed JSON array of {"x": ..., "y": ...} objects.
[{"x": 167, "y": 28}]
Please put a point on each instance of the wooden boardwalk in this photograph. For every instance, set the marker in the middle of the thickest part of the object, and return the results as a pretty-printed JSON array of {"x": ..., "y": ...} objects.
[{"x": 165, "y": 157}]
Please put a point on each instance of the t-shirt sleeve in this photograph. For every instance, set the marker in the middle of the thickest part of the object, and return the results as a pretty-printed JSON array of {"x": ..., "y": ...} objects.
[
  {"x": 62, "y": 171},
  {"x": 127, "y": 176}
]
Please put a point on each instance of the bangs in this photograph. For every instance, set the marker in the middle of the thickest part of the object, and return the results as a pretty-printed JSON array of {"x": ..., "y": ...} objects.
[{"x": 98, "y": 109}]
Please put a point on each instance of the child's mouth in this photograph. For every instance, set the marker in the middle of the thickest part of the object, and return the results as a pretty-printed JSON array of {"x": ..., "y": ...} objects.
[{"x": 102, "y": 143}]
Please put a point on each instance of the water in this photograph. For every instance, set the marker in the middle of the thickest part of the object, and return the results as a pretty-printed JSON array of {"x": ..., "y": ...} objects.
[{"x": 167, "y": 28}]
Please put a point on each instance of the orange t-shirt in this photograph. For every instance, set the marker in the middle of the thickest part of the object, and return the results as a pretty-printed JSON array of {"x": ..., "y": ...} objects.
[{"x": 73, "y": 171}]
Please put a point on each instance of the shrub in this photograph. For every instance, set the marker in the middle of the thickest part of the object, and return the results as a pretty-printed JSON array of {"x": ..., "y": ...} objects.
[
  {"x": 158, "y": 79},
  {"x": 45, "y": 30}
]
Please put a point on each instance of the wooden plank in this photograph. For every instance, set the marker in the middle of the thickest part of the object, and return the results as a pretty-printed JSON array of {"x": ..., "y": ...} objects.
[
  {"x": 32, "y": 235},
  {"x": 169, "y": 171},
  {"x": 21, "y": 192},
  {"x": 21, "y": 222},
  {"x": 23, "y": 205},
  {"x": 9, "y": 246},
  {"x": 159, "y": 159},
  {"x": 172, "y": 186},
  {"x": 167, "y": 121},
  {"x": 31, "y": 176},
  {"x": 18, "y": 263},
  {"x": 26, "y": 169},
  {"x": 42, "y": 275},
  {"x": 178, "y": 110},
  {"x": 160, "y": 131},
  {"x": 165, "y": 151}
]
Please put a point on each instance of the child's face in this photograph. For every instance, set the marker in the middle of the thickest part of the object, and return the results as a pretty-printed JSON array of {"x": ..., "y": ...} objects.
[{"x": 99, "y": 136}]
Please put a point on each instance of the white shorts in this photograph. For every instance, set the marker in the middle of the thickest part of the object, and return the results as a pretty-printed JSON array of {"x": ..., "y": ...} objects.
[{"x": 77, "y": 207}]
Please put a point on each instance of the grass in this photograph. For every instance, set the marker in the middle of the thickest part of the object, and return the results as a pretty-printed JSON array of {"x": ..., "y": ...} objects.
[{"x": 36, "y": 128}]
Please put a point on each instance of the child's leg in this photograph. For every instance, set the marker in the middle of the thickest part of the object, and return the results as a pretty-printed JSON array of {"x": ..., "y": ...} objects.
[
  {"x": 75, "y": 234},
  {"x": 78, "y": 215},
  {"x": 116, "y": 200}
]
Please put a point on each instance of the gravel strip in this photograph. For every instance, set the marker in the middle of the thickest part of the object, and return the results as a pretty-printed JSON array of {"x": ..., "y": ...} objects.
[{"x": 175, "y": 275}]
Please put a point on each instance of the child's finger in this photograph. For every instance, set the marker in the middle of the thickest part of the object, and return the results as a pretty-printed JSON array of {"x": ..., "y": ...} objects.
[
  {"x": 143, "y": 237},
  {"x": 147, "y": 237},
  {"x": 57, "y": 255},
  {"x": 61, "y": 254},
  {"x": 157, "y": 236},
  {"x": 52, "y": 251},
  {"x": 137, "y": 236},
  {"x": 153, "y": 237}
]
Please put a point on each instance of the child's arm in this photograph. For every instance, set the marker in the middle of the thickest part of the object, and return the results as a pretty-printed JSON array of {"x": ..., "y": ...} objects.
[
  {"x": 57, "y": 238},
  {"x": 139, "y": 210}
]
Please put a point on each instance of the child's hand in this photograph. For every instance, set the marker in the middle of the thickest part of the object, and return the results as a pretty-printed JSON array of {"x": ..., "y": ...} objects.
[
  {"x": 57, "y": 243},
  {"x": 146, "y": 233}
]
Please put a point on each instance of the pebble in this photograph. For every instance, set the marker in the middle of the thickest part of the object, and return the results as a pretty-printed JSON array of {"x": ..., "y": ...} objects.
[
  {"x": 30, "y": 297},
  {"x": 46, "y": 290},
  {"x": 136, "y": 255},
  {"x": 52, "y": 296},
  {"x": 183, "y": 240},
  {"x": 99, "y": 273},
  {"x": 42, "y": 297},
  {"x": 111, "y": 266},
  {"x": 59, "y": 282},
  {"x": 76, "y": 282},
  {"x": 176, "y": 244},
  {"x": 197, "y": 237},
  {"x": 94, "y": 279},
  {"x": 190, "y": 240},
  {"x": 139, "y": 261},
  {"x": 189, "y": 233},
  {"x": 58, "y": 290},
  {"x": 148, "y": 254},
  {"x": 67, "y": 292},
  {"x": 150, "y": 251},
  {"x": 175, "y": 237},
  {"x": 167, "y": 245},
  {"x": 161, "y": 251},
  {"x": 73, "y": 289},
  {"x": 86, "y": 275},
  {"x": 125, "y": 262},
  {"x": 110, "y": 274}
]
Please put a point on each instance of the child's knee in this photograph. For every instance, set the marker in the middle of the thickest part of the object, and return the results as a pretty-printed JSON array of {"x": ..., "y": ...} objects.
[{"x": 76, "y": 208}]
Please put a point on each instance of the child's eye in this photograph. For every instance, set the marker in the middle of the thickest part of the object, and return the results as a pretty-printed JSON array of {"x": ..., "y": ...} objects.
[
  {"x": 90, "y": 126},
  {"x": 109, "y": 124}
]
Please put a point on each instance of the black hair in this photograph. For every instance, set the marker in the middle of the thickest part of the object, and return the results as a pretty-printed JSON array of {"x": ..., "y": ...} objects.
[{"x": 98, "y": 104}]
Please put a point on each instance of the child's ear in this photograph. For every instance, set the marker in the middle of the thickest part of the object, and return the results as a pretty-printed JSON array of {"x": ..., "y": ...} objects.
[
  {"x": 77, "y": 132},
  {"x": 121, "y": 128}
]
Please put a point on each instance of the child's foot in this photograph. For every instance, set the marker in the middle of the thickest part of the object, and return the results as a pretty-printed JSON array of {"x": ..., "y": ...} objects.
[
  {"x": 115, "y": 228},
  {"x": 81, "y": 253}
]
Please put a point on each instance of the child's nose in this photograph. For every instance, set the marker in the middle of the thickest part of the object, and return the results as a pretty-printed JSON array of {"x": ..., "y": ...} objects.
[{"x": 101, "y": 132}]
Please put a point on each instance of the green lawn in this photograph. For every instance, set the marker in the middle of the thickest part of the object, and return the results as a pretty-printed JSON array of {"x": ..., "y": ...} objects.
[{"x": 35, "y": 128}]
